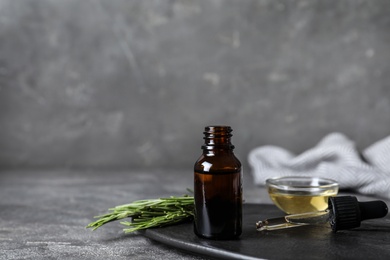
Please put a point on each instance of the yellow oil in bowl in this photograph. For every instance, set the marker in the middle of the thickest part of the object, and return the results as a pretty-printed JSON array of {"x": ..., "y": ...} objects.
[{"x": 296, "y": 195}]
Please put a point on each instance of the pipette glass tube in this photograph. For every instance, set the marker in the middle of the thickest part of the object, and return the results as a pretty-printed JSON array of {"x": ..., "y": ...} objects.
[{"x": 295, "y": 220}]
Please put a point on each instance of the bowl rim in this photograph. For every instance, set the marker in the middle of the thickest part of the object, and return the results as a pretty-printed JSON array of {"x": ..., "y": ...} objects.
[{"x": 273, "y": 182}]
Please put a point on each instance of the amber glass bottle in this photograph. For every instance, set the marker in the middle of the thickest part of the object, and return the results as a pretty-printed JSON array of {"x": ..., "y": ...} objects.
[{"x": 218, "y": 187}]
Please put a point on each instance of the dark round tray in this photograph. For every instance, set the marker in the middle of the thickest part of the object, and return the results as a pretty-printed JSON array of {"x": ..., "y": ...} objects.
[{"x": 369, "y": 241}]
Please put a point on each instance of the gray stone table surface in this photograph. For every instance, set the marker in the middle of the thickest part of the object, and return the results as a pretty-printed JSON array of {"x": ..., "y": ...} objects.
[{"x": 43, "y": 213}]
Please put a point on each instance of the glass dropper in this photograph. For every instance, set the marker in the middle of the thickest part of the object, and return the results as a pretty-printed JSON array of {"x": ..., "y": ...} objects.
[
  {"x": 294, "y": 220},
  {"x": 344, "y": 212}
]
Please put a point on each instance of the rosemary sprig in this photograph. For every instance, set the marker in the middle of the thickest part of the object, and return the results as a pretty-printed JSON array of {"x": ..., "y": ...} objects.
[{"x": 149, "y": 213}]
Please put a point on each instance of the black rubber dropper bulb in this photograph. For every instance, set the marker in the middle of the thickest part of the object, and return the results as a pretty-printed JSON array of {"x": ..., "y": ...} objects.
[{"x": 346, "y": 212}]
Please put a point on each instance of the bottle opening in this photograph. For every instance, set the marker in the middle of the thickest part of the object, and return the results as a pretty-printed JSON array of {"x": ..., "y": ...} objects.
[
  {"x": 217, "y": 136},
  {"x": 216, "y": 131}
]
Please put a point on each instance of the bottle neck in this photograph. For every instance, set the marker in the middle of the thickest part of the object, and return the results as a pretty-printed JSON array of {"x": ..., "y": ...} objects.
[{"x": 217, "y": 139}]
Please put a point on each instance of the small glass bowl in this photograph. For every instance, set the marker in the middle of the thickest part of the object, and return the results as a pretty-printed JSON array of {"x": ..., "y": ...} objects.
[{"x": 298, "y": 194}]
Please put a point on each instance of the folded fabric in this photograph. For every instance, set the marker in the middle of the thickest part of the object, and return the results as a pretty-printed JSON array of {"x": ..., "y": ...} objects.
[{"x": 334, "y": 157}]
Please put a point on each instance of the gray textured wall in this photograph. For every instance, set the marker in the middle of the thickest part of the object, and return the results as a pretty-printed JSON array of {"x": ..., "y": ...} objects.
[{"x": 132, "y": 83}]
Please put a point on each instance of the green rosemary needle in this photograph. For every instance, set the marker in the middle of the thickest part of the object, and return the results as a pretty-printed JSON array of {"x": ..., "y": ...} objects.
[{"x": 149, "y": 213}]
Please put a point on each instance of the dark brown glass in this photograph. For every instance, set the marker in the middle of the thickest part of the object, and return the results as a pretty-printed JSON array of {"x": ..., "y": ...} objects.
[{"x": 218, "y": 187}]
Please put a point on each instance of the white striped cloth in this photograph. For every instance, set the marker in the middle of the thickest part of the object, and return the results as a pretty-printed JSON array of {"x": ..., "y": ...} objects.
[{"x": 334, "y": 157}]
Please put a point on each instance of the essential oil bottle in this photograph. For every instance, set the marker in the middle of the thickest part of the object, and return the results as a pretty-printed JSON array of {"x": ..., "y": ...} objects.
[{"x": 218, "y": 187}]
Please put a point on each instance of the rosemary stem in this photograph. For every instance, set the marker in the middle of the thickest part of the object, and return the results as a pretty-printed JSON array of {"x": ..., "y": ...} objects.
[{"x": 149, "y": 213}]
